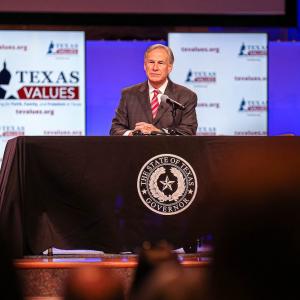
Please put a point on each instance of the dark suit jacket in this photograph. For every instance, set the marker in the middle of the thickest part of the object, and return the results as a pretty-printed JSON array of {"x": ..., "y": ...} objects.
[{"x": 135, "y": 107}]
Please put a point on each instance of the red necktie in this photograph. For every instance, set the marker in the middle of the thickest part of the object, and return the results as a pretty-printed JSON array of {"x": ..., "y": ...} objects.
[{"x": 154, "y": 103}]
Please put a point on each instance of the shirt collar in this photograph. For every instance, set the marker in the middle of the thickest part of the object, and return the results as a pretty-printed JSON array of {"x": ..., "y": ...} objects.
[{"x": 161, "y": 88}]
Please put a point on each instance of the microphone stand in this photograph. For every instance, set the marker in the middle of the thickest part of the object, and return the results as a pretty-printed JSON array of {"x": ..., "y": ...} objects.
[{"x": 173, "y": 131}]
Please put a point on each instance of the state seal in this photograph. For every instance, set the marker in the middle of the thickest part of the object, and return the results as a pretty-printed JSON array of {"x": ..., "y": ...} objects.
[{"x": 167, "y": 184}]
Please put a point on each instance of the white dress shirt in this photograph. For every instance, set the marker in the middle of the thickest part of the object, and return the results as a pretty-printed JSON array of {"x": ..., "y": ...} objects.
[{"x": 161, "y": 90}]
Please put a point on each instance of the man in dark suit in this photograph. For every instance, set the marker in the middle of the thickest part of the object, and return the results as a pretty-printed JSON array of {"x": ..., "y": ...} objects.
[{"x": 140, "y": 108}]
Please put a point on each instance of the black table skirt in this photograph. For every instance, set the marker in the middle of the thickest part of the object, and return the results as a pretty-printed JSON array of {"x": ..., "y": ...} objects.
[{"x": 81, "y": 192}]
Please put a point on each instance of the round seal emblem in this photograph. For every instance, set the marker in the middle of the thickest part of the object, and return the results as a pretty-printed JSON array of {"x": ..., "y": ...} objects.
[{"x": 167, "y": 184}]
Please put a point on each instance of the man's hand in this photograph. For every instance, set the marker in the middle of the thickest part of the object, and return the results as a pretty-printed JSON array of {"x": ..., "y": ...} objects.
[{"x": 145, "y": 128}]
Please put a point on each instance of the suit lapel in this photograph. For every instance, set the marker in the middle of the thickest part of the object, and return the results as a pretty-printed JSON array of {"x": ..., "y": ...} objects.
[
  {"x": 163, "y": 107},
  {"x": 145, "y": 101}
]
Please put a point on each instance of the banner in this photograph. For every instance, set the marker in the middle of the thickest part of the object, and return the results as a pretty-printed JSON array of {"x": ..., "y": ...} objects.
[
  {"x": 42, "y": 84},
  {"x": 229, "y": 74}
]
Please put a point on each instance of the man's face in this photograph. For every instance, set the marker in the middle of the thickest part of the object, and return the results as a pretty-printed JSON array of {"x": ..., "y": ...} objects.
[{"x": 157, "y": 67}]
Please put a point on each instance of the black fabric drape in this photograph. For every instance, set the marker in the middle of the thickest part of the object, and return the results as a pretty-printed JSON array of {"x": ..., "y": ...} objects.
[{"x": 81, "y": 192}]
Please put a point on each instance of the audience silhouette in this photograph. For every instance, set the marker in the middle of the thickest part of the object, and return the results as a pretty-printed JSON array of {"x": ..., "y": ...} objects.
[{"x": 93, "y": 283}]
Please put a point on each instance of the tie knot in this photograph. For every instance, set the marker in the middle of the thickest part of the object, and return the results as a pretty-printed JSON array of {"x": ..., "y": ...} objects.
[{"x": 155, "y": 92}]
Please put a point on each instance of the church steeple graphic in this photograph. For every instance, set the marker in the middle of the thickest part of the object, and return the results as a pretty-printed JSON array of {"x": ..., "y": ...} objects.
[{"x": 5, "y": 75}]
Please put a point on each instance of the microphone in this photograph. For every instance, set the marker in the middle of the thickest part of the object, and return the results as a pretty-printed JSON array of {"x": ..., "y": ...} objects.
[{"x": 166, "y": 99}]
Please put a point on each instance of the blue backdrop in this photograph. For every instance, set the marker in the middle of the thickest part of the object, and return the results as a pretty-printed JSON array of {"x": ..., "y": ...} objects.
[
  {"x": 110, "y": 66},
  {"x": 113, "y": 65},
  {"x": 284, "y": 88}
]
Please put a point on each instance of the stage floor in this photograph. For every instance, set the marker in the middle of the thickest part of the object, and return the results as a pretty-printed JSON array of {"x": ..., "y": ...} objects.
[
  {"x": 102, "y": 260},
  {"x": 44, "y": 276}
]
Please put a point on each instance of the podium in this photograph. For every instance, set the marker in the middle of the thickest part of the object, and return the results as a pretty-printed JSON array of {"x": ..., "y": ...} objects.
[{"x": 89, "y": 193}]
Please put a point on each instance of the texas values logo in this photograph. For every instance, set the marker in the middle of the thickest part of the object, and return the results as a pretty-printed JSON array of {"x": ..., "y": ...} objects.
[
  {"x": 62, "y": 49},
  {"x": 207, "y": 131},
  {"x": 167, "y": 184},
  {"x": 252, "y": 106},
  {"x": 252, "y": 50},
  {"x": 201, "y": 77},
  {"x": 39, "y": 85},
  {"x": 5, "y": 77},
  {"x": 10, "y": 131}
]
